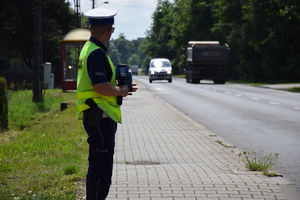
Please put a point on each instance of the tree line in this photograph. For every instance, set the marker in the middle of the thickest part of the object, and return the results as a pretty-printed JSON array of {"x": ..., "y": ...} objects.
[
  {"x": 263, "y": 36},
  {"x": 58, "y": 18},
  {"x": 16, "y": 30},
  {"x": 123, "y": 51}
]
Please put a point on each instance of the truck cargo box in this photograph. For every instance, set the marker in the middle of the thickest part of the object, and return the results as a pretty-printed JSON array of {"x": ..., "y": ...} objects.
[
  {"x": 206, "y": 60},
  {"x": 206, "y": 51}
]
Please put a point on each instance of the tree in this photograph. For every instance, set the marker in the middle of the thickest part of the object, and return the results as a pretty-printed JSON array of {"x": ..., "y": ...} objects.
[
  {"x": 174, "y": 24},
  {"x": 230, "y": 28},
  {"x": 276, "y": 38},
  {"x": 17, "y": 30},
  {"x": 192, "y": 21},
  {"x": 123, "y": 51},
  {"x": 135, "y": 46},
  {"x": 123, "y": 48},
  {"x": 58, "y": 20},
  {"x": 158, "y": 36},
  {"x": 114, "y": 53},
  {"x": 261, "y": 50},
  {"x": 146, "y": 59},
  {"x": 133, "y": 60}
]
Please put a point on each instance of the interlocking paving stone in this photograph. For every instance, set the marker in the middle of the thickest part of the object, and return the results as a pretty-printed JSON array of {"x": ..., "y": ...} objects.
[{"x": 161, "y": 153}]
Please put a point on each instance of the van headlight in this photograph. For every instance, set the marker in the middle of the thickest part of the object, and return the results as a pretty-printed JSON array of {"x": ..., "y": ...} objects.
[
  {"x": 152, "y": 72},
  {"x": 169, "y": 72}
]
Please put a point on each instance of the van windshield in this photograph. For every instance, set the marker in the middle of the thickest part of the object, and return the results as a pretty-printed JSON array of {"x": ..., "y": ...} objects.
[{"x": 159, "y": 64}]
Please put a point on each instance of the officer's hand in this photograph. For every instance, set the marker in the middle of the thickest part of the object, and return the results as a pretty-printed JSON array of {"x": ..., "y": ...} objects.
[
  {"x": 123, "y": 90},
  {"x": 134, "y": 89}
]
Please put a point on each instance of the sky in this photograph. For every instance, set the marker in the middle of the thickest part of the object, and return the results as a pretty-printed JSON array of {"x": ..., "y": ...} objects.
[{"x": 134, "y": 17}]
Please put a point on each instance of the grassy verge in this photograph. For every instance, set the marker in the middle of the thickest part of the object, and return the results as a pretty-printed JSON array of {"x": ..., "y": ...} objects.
[
  {"x": 44, "y": 152},
  {"x": 294, "y": 89},
  {"x": 179, "y": 76}
]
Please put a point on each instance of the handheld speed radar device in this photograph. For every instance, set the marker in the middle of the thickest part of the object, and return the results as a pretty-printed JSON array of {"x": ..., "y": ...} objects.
[{"x": 124, "y": 77}]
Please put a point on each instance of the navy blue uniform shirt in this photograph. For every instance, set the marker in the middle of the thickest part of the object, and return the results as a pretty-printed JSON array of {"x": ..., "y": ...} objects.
[{"x": 97, "y": 63}]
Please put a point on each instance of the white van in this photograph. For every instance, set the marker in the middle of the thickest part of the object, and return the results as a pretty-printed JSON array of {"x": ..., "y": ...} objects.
[{"x": 160, "y": 69}]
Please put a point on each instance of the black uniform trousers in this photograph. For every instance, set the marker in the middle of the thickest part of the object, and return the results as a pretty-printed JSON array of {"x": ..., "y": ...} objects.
[{"x": 101, "y": 142}]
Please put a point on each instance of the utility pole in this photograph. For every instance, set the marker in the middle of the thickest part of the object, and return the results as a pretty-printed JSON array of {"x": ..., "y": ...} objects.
[
  {"x": 37, "y": 52},
  {"x": 77, "y": 11}
]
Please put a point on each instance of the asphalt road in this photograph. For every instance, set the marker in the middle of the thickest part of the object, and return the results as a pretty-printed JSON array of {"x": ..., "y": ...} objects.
[{"x": 251, "y": 118}]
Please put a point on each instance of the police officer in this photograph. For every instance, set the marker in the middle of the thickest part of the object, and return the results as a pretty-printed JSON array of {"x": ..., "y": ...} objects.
[{"x": 97, "y": 92}]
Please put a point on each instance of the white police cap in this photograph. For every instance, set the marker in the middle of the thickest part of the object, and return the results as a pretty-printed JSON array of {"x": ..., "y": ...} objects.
[{"x": 101, "y": 15}]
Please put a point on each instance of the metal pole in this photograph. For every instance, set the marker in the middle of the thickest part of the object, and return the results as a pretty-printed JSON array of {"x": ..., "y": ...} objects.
[
  {"x": 77, "y": 8},
  {"x": 37, "y": 52}
]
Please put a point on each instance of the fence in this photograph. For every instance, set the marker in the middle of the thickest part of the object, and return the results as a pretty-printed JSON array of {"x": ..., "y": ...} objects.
[{"x": 18, "y": 78}]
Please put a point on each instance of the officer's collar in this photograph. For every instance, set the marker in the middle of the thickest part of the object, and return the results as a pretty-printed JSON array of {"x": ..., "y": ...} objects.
[{"x": 98, "y": 43}]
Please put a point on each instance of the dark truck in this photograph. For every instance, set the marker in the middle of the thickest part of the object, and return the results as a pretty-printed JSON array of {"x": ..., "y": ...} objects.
[{"x": 206, "y": 60}]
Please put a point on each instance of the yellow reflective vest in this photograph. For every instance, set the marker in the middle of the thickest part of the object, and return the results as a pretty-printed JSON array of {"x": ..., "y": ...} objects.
[{"x": 85, "y": 89}]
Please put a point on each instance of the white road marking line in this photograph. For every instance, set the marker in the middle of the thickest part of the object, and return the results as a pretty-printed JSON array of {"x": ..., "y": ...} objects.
[
  {"x": 238, "y": 95},
  {"x": 228, "y": 92},
  {"x": 256, "y": 99},
  {"x": 274, "y": 103},
  {"x": 297, "y": 108}
]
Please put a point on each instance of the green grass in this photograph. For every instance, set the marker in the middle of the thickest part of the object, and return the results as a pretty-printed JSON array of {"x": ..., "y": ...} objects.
[
  {"x": 22, "y": 111},
  {"x": 179, "y": 76},
  {"x": 45, "y": 152},
  {"x": 295, "y": 89}
]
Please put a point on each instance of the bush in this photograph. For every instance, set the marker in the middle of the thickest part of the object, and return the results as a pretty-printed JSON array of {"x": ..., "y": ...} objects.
[{"x": 3, "y": 105}]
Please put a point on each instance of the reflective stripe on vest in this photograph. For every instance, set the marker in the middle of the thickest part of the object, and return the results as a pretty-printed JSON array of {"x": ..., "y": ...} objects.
[{"x": 85, "y": 89}]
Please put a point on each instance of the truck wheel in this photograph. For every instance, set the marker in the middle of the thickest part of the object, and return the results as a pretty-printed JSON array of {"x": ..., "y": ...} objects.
[
  {"x": 186, "y": 78},
  {"x": 170, "y": 80},
  {"x": 150, "y": 81}
]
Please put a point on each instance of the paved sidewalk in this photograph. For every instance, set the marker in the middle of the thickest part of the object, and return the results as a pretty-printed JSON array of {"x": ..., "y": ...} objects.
[{"x": 163, "y": 154}]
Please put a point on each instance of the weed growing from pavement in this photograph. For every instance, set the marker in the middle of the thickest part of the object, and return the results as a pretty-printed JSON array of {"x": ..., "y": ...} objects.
[
  {"x": 225, "y": 145},
  {"x": 44, "y": 151},
  {"x": 259, "y": 161}
]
